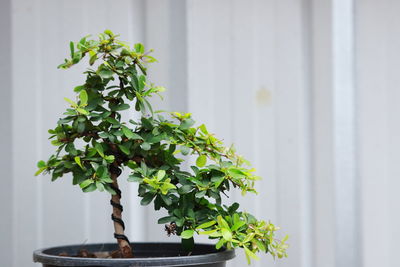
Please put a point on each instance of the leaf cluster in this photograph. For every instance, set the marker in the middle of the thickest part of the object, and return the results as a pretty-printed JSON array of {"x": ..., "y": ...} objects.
[{"x": 92, "y": 139}]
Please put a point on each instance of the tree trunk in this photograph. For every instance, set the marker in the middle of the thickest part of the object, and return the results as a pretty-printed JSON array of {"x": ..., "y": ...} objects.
[{"x": 119, "y": 226}]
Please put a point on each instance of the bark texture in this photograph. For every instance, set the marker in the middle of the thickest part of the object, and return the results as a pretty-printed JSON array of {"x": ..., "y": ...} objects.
[{"x": 119, "y": 226}]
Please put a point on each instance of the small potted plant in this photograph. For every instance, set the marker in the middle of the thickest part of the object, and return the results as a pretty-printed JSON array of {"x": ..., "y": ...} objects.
[{"x": 95, "y": 142}]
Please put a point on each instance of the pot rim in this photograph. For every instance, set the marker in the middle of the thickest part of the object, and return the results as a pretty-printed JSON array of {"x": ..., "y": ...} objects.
[{"x": 41, "y": 256}]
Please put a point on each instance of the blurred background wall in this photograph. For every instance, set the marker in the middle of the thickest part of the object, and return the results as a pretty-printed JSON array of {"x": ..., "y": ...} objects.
[{"x": 306, "y": 89}]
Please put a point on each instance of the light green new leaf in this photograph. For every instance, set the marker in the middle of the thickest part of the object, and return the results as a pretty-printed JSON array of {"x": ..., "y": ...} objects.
[
  {"x": 212, "y": 233},
  {"x": 41, "y": 164},
  {"x": 166, "y": 187},
  {"x": 73, "y": 104},
  {"x": 109, "y": 33},
  {"x": 187, "y": 234},
  {"x": 160, "y": 174},
  {"x": 82, "y": 111},
  {"x": 78, "y": 161},
  {"x": 226, "y": 234},
  {"x": 40, "y": 171},
  {"x": 220, "y": 243},
  {"x": 206, "y": 225},
  {"x": 250, "y": 254},
  {"x": 139, "y": 48},
  {"x": 237, "y": 225},
  {"x": 201, "y": 161},
  {"x": 109, "y": 158},
  {"x": 83, "y": 96},
  {"x": 222, "y": 223},
  {"x": 203, "y": 129}
]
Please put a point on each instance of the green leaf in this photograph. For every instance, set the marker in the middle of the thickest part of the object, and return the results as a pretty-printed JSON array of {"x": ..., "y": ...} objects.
[
  {"x": 186, "y": 124},
  {"x": 142, "y": 82},
  {"x": 78, "y": 88},
  {"x": 129, "y": 134},
  {"x": 166, "y": 187},
  {"x": 56, "y": 143},
  {"x": 201, "y": 194},
  {"x": 109, "y": 33},
  {"x": 227, "y": 235},
  {"x": 185, "y": 189},
  {"x": 222, "y": 223},
  {"x": 249, "y": 237},
  {"x": 203, "y": 129},
  {"x": 99, "y": 149},
  {"x": 72, "y": 49},
  {"x": 160, "y": 174},
  {"x": 260, "y": 245},
  {"x": 70, "y": 148},
  {"x": 134, "y": 178},
  {"x": 112, "y": 121},
  {"x": 82, "y": 111},
  {"x": 139, "y": 48},
  {"x": 233, "y": 207},
  {"x": 77, "y": 57},
  {"x": 166, "y": 200},
  {"x": 89, "y": 188},
  {"x": 212, "y": 233},
  {"x": 201, "y": 161},
  {"x": 145, "y": 146},
  {"x": 109, "y": 189},
  {"x": 100, "y": 186},
  {"x": 250, "y": 254},
  {"x": 78, "y": 161},
  {"x": 166, "y": 219},
  {"x": 92, "y": 59},
  {"x": 121, "y": 107},
  {"x": 185, "y": 150},
  {"x": 105, "y": 73},
  {"x": 41, "y": 164},
  {"x": 237, "y": 225},
  {"x": 109, "y": 158},
  {"x": 236, "y": 173},
  {"x": 206, "y": 225},
  {"x": 86, "y": 183},
  {"x": 73, "y": 104},
  {"x": 187, "y": 234},
  {"x": 40, "y": 171},
  {"x": 217, "y": 180},
  {"x": 124, "y": 149},
  {"x": 83, "y": 96},
  {"x": 148, "y": 197},
  {"x": 220, "y": 243}
]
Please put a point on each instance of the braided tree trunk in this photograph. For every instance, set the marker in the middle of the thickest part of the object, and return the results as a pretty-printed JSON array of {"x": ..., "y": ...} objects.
[{"x": 116, "y": 216}]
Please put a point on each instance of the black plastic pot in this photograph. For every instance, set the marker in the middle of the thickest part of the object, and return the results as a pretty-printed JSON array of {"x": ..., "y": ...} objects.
[{"x": 146, "y": 254}]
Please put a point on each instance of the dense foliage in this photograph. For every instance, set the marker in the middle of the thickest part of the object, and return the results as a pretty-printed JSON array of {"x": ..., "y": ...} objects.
[{"x": 92, "y": 136}]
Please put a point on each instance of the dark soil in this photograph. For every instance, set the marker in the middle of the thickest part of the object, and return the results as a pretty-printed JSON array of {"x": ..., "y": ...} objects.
[{"x": 83, "y": 253}]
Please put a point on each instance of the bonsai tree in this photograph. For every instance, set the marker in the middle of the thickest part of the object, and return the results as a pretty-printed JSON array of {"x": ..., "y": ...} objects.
[{"x": 95, "y": 142}]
